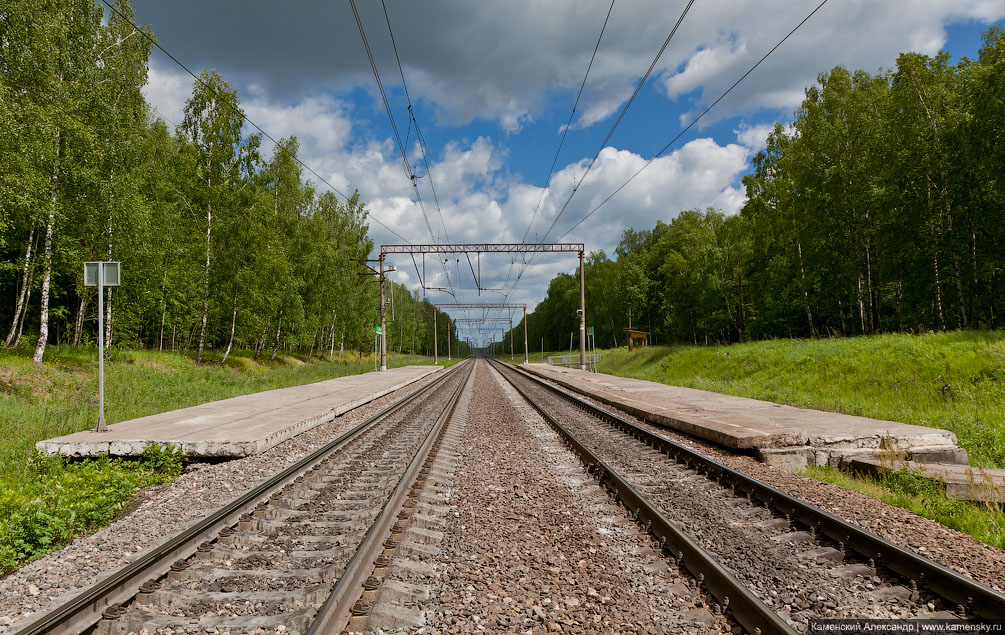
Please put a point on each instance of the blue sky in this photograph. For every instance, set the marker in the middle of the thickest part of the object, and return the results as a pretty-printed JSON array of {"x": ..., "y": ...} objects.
[{"x": 492, "y": 84}]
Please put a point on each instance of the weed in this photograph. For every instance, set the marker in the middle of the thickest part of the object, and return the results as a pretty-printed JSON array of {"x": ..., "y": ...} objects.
[
  {"x": 163, "y": 459},
  {"x": 47, "y": 501},
  {"x": 945, "y": 380},
  {"x": 924, "y": 496}
]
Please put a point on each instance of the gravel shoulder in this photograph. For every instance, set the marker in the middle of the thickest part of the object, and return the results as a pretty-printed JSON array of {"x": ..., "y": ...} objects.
[
  {"x": 533, "y": 545},
  {"x": 163, "y": 512}
]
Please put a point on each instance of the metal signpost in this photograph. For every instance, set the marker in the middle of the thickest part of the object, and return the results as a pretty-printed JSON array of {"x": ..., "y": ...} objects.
[
  {"x": 382, "y": 351},
  {"x": 101, "y": 275}
]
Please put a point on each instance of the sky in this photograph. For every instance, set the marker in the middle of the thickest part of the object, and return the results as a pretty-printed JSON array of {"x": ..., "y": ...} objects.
[{"x": 492, "y": 87}]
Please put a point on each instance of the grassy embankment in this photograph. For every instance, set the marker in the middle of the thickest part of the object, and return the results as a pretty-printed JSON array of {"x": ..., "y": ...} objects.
[
  {"x": 45, "y": 502},
  {"x": 954, "y": 381}
]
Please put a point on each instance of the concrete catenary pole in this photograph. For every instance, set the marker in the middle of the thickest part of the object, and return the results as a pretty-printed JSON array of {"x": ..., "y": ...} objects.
[
  {"x": 448, "y": 338},
  {"x": 526, "y": 346},
  {"x": 582, "y": 313},
  {"x": 383, "y": 319},
  {"x": 436, "y": 343},
  {"x": 511, "y": 355}
]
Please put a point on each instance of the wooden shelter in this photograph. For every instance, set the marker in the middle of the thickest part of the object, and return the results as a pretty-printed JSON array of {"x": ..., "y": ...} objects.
[{"x": 636, "y": 338}]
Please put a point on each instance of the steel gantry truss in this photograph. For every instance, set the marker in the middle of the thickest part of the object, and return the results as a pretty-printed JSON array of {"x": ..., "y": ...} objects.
[
  {"x": 479, "y": 248},
  {"x": 485, "y": 305}
]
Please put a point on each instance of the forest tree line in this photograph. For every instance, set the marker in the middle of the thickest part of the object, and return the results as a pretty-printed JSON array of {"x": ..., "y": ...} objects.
[
  {"x": 223, "y": 246},
  {"x": 880, "y": 208}
]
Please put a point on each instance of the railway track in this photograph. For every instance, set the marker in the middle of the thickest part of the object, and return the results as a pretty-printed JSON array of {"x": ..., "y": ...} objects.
[
  {"x": 295, "y": 553},
  {"x": 308, "y": 550},
  {"x": 772, "y": 561}
]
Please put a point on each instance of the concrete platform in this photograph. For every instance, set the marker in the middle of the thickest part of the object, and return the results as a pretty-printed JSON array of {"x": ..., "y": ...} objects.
[
  {"x": 784, "y": 436},
  {"x": 239, "y": 426}
]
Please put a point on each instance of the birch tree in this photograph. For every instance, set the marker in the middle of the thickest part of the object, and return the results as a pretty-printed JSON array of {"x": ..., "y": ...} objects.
[{"x": 212, "y": 123}]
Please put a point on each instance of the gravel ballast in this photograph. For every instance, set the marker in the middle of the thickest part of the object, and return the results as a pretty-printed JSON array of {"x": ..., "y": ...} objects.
[
  {"x": 163, "y": 512},
  {"x": 532, "y": 544},
  {"x": 949, "y": 547}
]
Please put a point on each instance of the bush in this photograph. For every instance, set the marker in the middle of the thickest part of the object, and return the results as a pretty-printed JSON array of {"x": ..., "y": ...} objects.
[
  {"x": 67, "y": 498},
  {"x": 167, "y": 459}
]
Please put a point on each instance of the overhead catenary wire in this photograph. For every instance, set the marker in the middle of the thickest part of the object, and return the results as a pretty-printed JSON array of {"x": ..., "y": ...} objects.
[
  {"x": 561, "y": 141},
  {"x": 617, "y": 122},
  {"x": 565, "y": 130},
  {"x": 237, "y": 110},
  {"x": 409, "y": 173},
  {"x": 693, "y": 122},
  {"x": 413, "y": 122},
  {"x": 610, "y": 133},
  {"x": 685, "y": 130}
]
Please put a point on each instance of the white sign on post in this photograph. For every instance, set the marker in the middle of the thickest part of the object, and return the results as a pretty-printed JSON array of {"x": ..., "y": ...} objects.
[{"x": 101, "y": 275}]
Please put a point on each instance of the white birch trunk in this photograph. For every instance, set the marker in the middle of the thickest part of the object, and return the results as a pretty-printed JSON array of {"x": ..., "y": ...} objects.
[
  {"x": 43, "y": 320},
  {"x": 205, "y": 291},
  {"x": 25, "y": 284},
  {"x": 279, "y": 327},
  {"x": 20, "y": 327},
  {"x": 331, "y": 353},
  {"x": 78, "y": 327},
  {"x": 230, "y": 342}
]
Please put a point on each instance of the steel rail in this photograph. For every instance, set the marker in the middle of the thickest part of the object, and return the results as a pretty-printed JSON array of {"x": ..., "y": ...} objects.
[
  {"x": 973, "y": 597},
  {"x": 84, "y": 610},
  {"x": 747, "y": 609},
  {"x": 334, "y": 614}
]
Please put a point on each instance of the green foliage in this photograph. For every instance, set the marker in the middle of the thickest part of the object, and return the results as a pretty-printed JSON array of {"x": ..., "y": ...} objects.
[
  {"x": 879, "y": 209},
  {"x": 925, "y": 497},
  {"x": 47, "y": 501},
  {"x": 912, "y": 482},
  {"x": 946, "y": 380},
  {"x": 54, "y": 499},
  {"x": 168, "y": 459}
]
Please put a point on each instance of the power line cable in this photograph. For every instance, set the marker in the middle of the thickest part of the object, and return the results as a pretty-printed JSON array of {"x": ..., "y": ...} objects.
[
  {"x": 413, "y": 122},
  {"x": 390, "y": 117},
  {"x": 397, "y": 136},
  {"x": 565, "y": 131},
  {"x": 682, "y": 132},
  {"x": 621, "y": 116},
  {"x": 561, "y": 141},
  {"x": 696, "y": 119},
  {"x": 617, "y": 122},
  {"x": 239, "y": 112}
]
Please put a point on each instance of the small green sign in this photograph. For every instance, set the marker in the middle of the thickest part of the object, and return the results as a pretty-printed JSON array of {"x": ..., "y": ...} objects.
[
  {"x": 589, "y": 330},
  {"x": 378, "y": 330}
]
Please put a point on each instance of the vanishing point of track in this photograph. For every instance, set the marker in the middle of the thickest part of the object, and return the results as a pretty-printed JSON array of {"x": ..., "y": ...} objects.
[{"x": 304, "y": 549}]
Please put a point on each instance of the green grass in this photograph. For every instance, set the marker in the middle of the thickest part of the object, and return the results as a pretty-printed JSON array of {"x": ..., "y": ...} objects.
[
  {"x": 925, "y": 497},
  {"x": 954, "y": 381},
  {"x": 44, "y": 502}
]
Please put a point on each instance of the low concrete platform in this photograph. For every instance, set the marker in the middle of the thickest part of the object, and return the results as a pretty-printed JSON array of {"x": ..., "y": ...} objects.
[
  {"x": 784, "y": 436},
  {"x": 239, "y": 426}
]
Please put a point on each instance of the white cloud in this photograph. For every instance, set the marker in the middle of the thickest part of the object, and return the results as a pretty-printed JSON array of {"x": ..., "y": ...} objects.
[
  {"x": 755, "y": 138},
  {"x": 506, "y": 62},
  {"x": 699, "y": 174},
  {"x": 167, "y": 92},
  {"x": 319, "y": 122}
]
